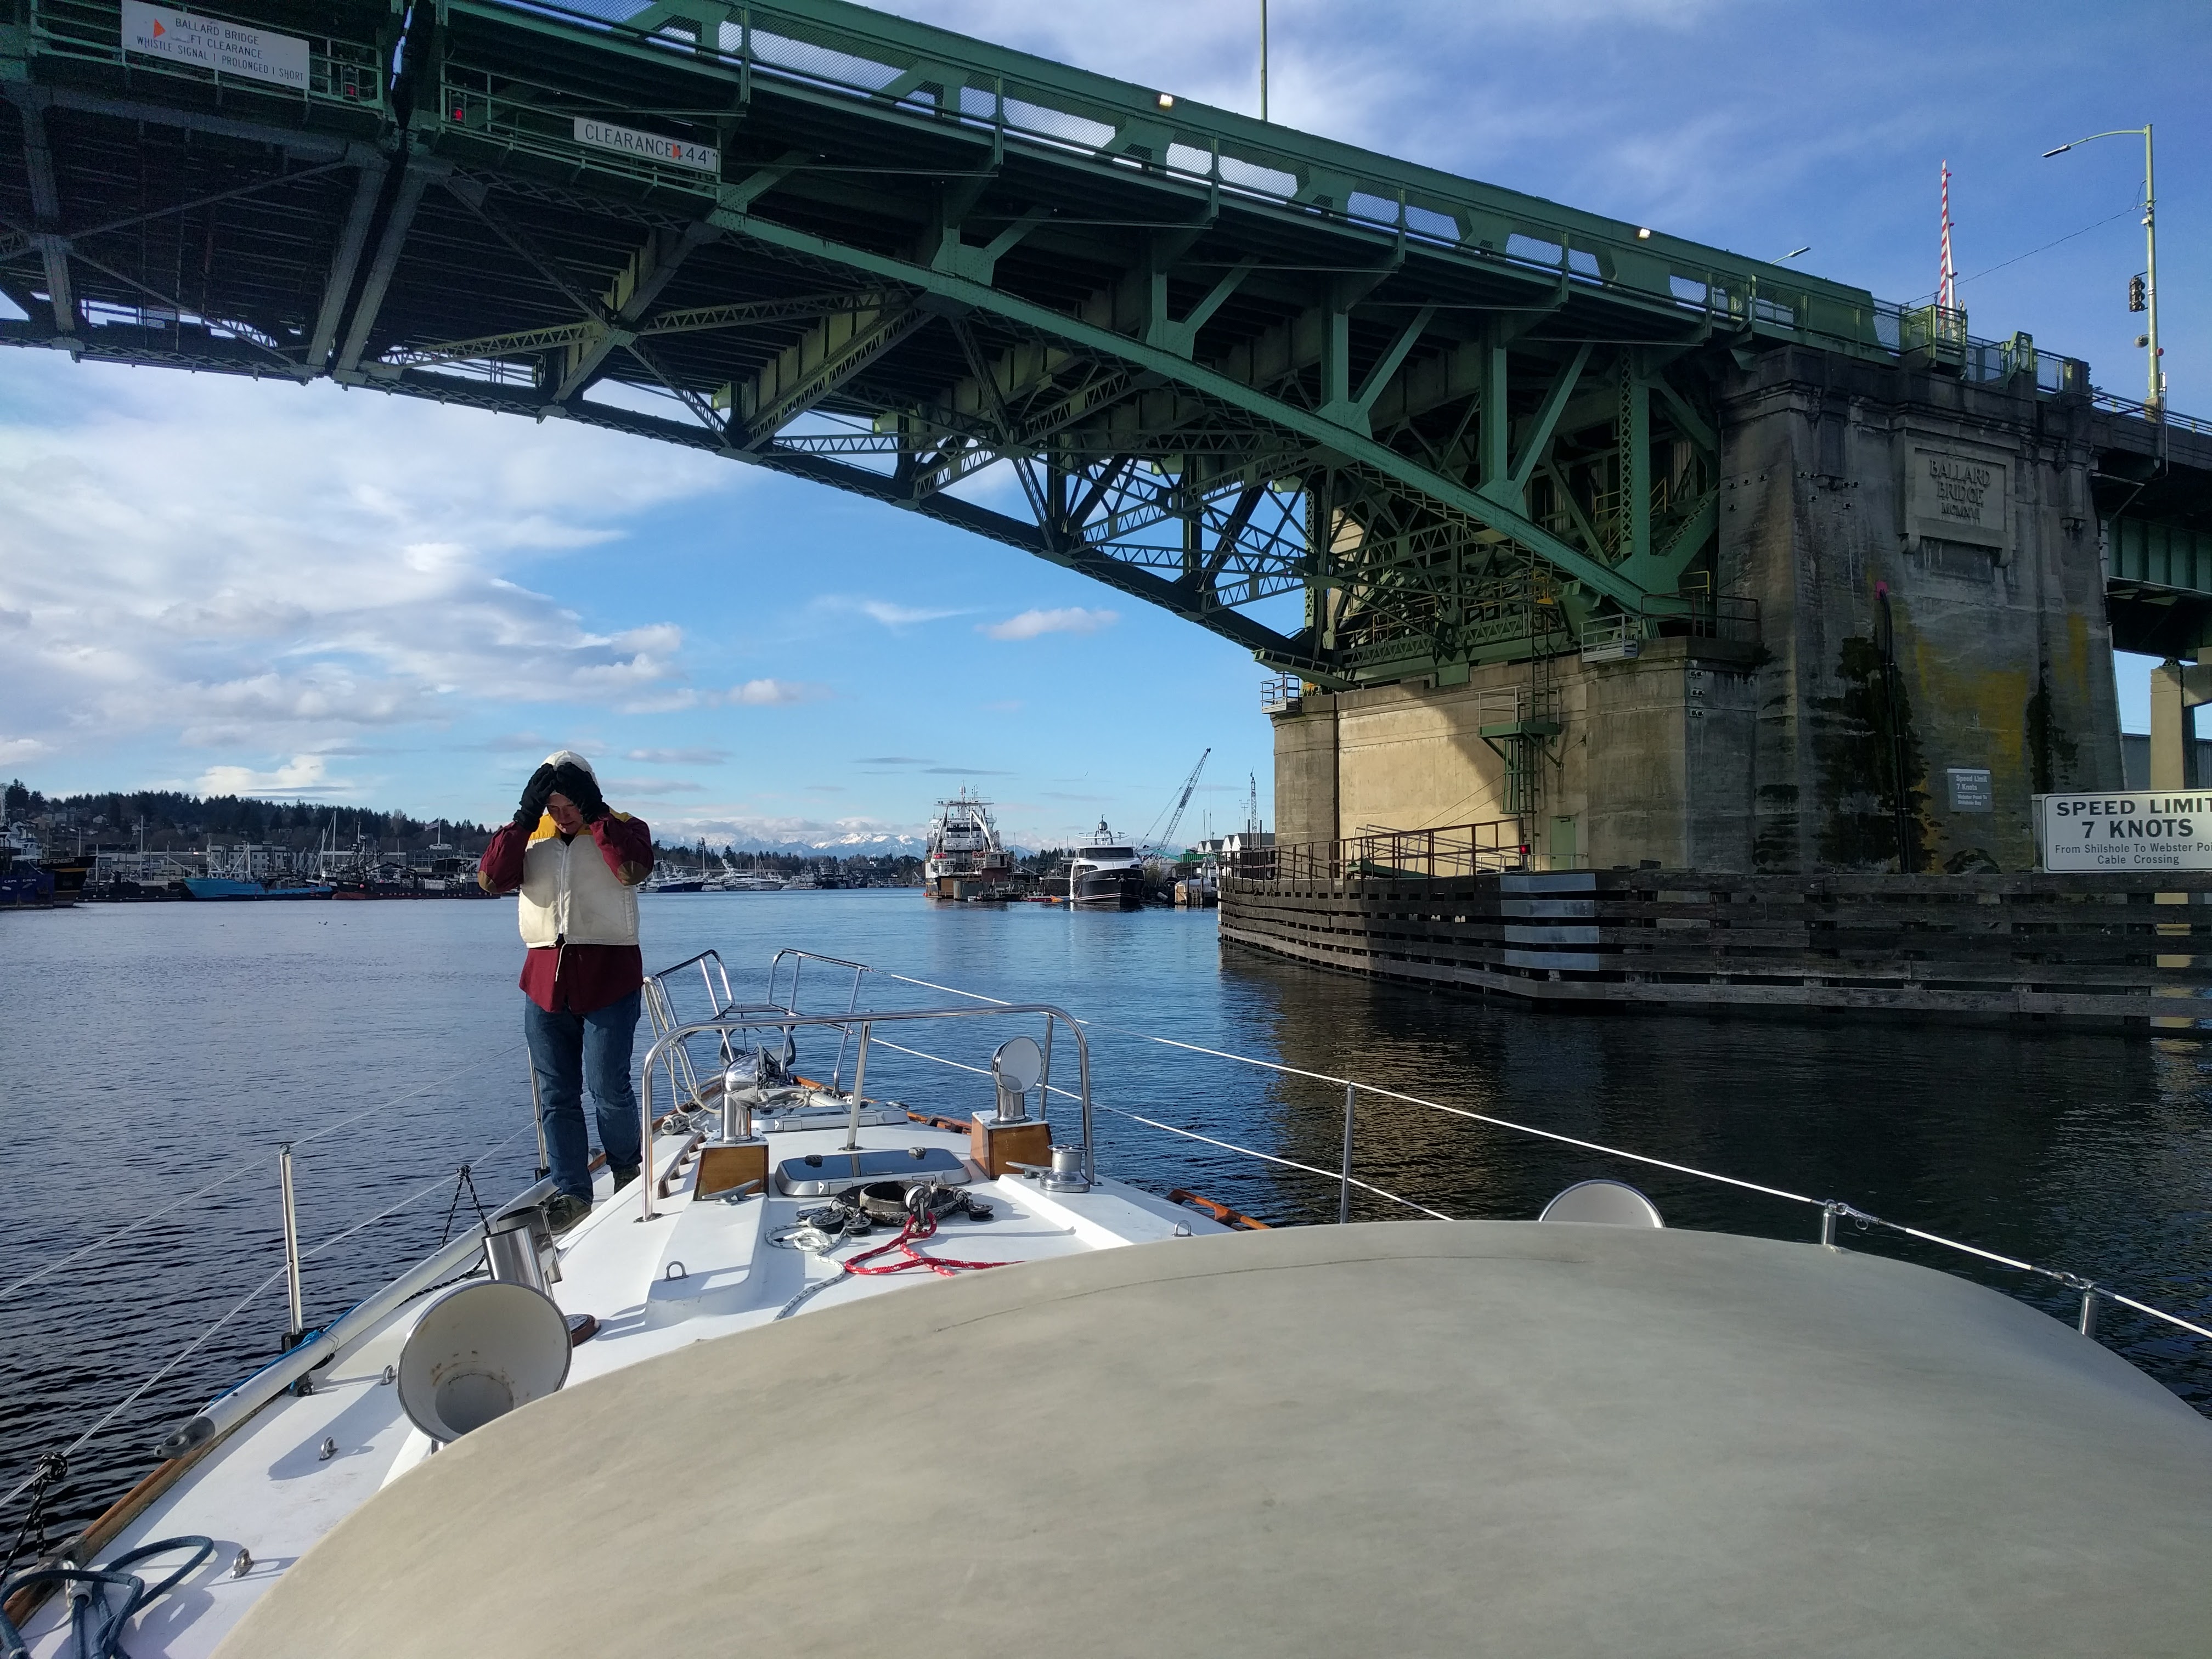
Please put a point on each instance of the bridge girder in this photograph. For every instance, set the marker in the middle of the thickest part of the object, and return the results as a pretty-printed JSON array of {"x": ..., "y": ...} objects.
[{"x": 1225, "y": 363}]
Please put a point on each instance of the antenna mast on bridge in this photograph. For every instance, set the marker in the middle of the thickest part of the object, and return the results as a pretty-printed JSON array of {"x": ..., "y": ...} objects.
[{"x": 1946, "y": 276}]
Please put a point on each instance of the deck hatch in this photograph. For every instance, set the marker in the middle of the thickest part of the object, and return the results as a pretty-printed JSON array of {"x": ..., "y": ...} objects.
[{"x": 819, "y": 1174}]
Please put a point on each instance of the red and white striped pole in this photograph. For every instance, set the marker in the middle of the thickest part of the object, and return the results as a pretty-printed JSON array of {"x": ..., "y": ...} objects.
[{"x": 1946, "y": 281}]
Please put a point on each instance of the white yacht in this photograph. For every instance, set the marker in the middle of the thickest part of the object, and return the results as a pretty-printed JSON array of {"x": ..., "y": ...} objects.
[
  {"x": 965, "y": 858},
  {"x": 1106, "y": 874},
  {"x": 1105, "y": 1420}
]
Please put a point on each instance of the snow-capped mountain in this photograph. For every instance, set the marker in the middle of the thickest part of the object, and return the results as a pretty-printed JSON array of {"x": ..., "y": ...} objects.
[{"x": 851, "y": 843}]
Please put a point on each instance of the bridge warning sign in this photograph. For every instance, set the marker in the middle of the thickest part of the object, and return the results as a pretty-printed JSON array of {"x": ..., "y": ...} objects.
[
  {"x": 2142, "y": 829},
  {"x": 213, "y": 44},
  {"x": 677, "y": 152}
]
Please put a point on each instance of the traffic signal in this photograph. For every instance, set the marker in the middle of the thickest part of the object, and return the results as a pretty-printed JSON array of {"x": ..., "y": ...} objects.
[{"x": 2137, "y": 298}]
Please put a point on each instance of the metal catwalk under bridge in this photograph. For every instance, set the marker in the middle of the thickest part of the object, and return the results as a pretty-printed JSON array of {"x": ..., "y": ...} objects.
[{"x": 1226, "y": 362}]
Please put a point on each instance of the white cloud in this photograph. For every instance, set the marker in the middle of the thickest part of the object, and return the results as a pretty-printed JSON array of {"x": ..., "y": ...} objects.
[
  {"x": 651, "y": 787},
  {"x": 265, "y": 568},
  {"x": 889, "y": 612},
  {"x": 678, "y": 756},
  {"x": 17, "y": 749},
  {"x": 302, "y": 774},
  {"x": 1068, "y": 619},
  {"x": 761, "y": 694}
]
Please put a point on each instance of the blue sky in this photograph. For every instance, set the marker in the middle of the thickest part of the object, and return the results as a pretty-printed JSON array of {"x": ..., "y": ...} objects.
[{"x": 217, "y": 585}]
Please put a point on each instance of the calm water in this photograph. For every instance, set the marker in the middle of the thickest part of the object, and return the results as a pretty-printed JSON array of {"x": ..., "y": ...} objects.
[{"x": 146, "y": 1051}]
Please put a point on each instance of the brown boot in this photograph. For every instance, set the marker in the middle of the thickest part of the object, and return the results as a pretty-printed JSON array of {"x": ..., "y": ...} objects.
[{"x": 564, "y": 1210}]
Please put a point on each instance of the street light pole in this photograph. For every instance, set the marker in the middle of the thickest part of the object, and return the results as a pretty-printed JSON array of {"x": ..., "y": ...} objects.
[
  {"x": 1263, "y": 59},
  {"x": 2155, "y": 397}
]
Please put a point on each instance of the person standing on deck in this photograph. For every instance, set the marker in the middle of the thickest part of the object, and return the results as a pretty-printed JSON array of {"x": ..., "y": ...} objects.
[{"x": 577, "y": 865}]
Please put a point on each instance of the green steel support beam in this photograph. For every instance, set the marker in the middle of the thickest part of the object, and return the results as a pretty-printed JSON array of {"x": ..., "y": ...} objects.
[
  {"x": 1660, "y": 571},
  {"x": 1692, "y": 424},
  {"x": 980, "y": 265},
  {"x": 414, "y": 179},
  {"x": 1566, "y": 498},
  {"x": 1494, "y": 423},
  {"x": 1547, "y": 421},
  {"x": 1336, "y": 405},
  {"x": 649, "y": 272},
  {"x": 740, "y": 196},
  {"x": 46, "y": 216},
  {"x": 1280, "y": 649},
  {"x": 1003, "y": 424},
  {"x": 368, "y": 186},
  {"x": 1353, "y": 447},
  {"x": 1632, "y": 522},
  {"x": 1180, "y": 336},
  {"x": 839, "y": 361},
  {"x": 1388, "y": 363}
]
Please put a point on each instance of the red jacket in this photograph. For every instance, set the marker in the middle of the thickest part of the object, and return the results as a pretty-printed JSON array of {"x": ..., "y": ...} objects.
[{"x": 577, "y": 978}]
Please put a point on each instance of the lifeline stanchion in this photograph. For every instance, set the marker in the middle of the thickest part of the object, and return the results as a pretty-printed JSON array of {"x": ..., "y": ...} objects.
[
  {"x": 299, "y": 1325},
  {"x": 537, "y": 1117},
  {"x": 1344, "y": 1181}
]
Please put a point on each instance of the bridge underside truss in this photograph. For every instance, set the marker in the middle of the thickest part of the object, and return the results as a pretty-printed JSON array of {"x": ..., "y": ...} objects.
[{"x": 1207, "y": 362}]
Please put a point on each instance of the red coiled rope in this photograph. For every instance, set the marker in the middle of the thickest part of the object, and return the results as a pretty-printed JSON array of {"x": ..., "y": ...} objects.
[{"x": 917, "y": 1226}]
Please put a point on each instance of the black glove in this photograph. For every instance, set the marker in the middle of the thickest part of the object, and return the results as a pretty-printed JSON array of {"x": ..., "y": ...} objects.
[
  {"x": 534, "y": 793},
  {"x": 582, "y": 788}
]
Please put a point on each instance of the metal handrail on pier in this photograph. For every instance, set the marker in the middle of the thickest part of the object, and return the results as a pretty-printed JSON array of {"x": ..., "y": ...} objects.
[{"x": 1458, "y": 850}]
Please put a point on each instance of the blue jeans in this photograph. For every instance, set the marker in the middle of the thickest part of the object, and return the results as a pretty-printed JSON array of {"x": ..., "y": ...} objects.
[{"x": 567, "y": 1052}]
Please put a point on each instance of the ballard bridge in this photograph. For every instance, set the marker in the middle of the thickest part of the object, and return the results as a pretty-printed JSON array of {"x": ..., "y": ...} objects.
[{"x": 1492, "y": 444}]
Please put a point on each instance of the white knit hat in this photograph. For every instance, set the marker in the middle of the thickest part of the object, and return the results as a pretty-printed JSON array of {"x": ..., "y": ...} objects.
[{"x": 570, "y": 758}]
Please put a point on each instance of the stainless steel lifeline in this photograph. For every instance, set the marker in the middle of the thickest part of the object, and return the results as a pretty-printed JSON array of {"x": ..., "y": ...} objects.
[
  {"x": 2089, "y": 1292},
  {"x": 670, "y": 1042}
]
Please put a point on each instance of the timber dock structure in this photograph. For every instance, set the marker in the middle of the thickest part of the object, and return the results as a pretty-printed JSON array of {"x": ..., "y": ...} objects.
[{"x": 2114, "y": 950}]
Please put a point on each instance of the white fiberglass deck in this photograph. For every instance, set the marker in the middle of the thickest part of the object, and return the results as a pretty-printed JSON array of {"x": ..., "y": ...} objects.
[
  {"x": 269, "y": 1489},
  {"x": 1523, "y": 1438}
]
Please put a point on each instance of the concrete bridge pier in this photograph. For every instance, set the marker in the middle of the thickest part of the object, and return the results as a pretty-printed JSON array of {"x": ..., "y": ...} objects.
[
  {"x": 2175, "y": 689},
  {"x": 1909, "y": 640}
]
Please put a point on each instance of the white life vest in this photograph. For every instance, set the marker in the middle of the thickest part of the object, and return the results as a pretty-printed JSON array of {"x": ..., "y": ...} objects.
[{"x": 570, "y": 897}]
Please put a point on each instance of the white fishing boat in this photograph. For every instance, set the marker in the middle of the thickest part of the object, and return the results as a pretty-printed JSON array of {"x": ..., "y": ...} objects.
[
  {"x": 1103, "y": 1421},
  {"x": 1106, "y": 874},
  {"x": 965, "y": 858},
  {"x": 744, "y": 881}
]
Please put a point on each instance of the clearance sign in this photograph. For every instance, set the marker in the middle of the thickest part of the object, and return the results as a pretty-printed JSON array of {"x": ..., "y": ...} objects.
[{"x": 2142, "y": 829}]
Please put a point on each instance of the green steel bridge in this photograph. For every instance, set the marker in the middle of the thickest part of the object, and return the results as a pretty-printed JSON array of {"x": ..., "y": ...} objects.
[{"x": 1225, "y": 362}]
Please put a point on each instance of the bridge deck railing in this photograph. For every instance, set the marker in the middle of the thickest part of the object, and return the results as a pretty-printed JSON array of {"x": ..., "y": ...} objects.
[{"x": 912, "y": 70}]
